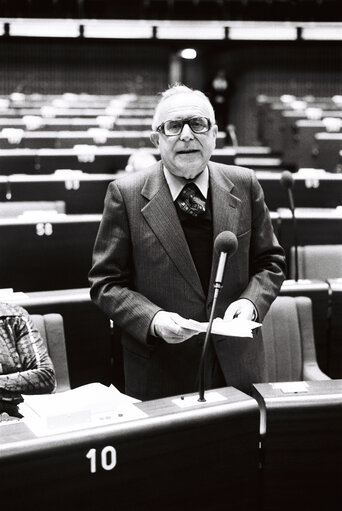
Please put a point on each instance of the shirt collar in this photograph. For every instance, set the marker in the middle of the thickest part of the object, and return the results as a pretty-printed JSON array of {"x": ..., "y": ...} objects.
[{"x": 176, "y": 184}]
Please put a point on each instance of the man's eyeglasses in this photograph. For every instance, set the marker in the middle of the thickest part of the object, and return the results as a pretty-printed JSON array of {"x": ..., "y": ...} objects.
[{"x": 196, "y": 124}]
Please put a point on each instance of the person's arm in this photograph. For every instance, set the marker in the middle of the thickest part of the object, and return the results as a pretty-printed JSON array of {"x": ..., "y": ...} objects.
[
  {"x": 111, "y": 276},
  {"x": 111, "y": 279},
  {"x": 37, "y": 375},
  {"x": 266, "y": 261}
]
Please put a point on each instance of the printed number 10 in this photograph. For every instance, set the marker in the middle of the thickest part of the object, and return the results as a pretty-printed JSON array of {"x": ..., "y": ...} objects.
[{"x": 108, "y": 458}]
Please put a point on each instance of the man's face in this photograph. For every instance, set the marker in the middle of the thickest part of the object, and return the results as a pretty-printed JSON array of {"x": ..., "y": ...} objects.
[{"x": 187, "y": 154}]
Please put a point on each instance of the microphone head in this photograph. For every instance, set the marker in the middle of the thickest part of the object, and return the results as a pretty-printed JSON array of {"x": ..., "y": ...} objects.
[
  {"x": 286, "y": 179},
  {"x": 226, "y": 242}
]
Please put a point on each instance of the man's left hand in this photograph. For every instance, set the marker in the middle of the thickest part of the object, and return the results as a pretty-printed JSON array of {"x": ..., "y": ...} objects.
[{"x": 242, "y": 308}]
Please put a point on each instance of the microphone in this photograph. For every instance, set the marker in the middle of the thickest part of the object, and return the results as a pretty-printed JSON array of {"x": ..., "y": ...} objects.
[
  {"x": 226, "y": 245},
  {"x": 287, "y": 181}
]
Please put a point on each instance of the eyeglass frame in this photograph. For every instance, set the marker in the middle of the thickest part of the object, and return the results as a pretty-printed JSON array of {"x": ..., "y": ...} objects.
[{"x": 161, "y": 129}]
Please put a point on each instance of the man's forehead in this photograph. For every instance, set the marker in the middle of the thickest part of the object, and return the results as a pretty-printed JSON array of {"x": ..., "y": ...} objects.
[{"x": 183, "y": 105}]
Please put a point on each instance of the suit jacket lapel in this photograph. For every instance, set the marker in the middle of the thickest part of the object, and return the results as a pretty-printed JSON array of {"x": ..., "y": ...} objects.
[
  {"x": 161, "y": 215},
  {"x": 225, "y": 211}
]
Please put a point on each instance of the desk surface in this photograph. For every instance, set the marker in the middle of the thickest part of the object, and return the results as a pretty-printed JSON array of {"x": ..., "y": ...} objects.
[
  {"x": 193, "y": 458},
  {"x": 302, "y": 446}
]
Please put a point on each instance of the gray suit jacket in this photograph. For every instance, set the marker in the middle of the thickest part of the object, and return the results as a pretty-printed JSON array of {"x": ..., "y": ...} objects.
[{"x": 142, "y": 264}]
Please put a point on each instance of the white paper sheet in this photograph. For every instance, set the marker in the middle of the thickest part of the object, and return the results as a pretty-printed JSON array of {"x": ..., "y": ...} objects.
[
  {"x": 86, "y": 406},
  {"x": 235, "y": 328}
]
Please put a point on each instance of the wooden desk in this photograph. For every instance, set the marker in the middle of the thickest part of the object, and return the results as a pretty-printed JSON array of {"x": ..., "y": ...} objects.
[
  {"x": 268, "y": 105},
  {"x": 200, "y": 457},
  {"x": 315, "y": 226},
  {"x": 311, "y": 189},
  {"x": 327, "y": 147},
  {"x": 68, "y": 139},
  {"x": 82, "y": 193},
  {"x": 47, "y": 252},
  {"x": 302, "y": 446},
  {"x": 299, "y": 150},
  {"x": 126, "y": 121},
  {"x": 280, "y": 121},
  {"x": 45, "y": 161},
  {"x": 94, "y": 159}
]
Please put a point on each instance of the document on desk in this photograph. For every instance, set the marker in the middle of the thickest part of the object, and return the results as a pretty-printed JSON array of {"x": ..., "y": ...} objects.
[
  {"x": 84, "y": 407},
  {"x": 235, "y": 328}
]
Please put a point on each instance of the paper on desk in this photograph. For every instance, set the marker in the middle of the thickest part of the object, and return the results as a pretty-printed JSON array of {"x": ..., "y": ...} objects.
[
  {"x": 86, "y": 406},
  {"x": 235, "y": 328}
]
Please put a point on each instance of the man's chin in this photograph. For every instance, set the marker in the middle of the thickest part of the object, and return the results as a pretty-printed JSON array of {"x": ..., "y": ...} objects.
[{"x": 191, "y": 167}]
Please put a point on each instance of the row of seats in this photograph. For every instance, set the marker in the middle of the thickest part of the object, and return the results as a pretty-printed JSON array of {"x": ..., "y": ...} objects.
[
  {"x": 290, "y": 351},
  {"x": 55, "y": 249},
  {"x": 95, "y": 355},
  {"x": 99, "y": 159},
  {"x": 84, "y": 192},
  {"x": 305, "y": 132},
  {"x": 42, "y": 250}
]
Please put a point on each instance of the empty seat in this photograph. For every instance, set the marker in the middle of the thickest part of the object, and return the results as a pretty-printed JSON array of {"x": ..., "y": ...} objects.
[
  {"x": 51, "y": 328},
  {"x": 317, "y": 262},
  {"x": 289, "y": 341}
]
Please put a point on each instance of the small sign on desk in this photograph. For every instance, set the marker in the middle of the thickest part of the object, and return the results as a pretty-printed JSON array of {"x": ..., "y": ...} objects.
[{"x": 290, "y": 387}]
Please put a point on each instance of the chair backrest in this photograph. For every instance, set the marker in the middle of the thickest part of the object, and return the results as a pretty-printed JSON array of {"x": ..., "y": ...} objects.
[
  {"x": 317, "y": 262},
  {"x": 289, "y": 341},
  {"x": 51, "y": 329}
]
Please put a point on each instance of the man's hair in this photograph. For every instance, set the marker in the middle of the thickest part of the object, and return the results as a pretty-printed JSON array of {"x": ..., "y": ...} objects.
[{"x": 179, "y": 88}]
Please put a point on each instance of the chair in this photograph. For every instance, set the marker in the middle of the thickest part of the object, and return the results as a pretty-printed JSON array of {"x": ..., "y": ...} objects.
[
  {"x": 317, "y": 262},
  {"x": 51, "y": 328},
  {"x": 289, "y": 341}
]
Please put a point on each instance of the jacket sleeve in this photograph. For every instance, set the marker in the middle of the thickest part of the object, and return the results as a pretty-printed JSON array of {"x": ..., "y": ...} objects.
[
  {"x": 37, "y": 375},
  {"x": 267, "y": 258},
  {"x": 111, "y": 276}
]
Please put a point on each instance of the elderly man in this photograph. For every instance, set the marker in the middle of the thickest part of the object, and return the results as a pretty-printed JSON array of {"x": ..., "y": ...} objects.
[{"x": 154, "y": 260}]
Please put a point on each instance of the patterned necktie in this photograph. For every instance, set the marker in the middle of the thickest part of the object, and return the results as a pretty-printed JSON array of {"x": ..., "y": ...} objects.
[{"x": 191, "y": 201}]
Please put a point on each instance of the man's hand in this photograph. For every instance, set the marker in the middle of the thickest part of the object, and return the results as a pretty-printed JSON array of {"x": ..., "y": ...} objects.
[
  {"x": 166, "y": 326},
  {"x": 243, "y": 309}
]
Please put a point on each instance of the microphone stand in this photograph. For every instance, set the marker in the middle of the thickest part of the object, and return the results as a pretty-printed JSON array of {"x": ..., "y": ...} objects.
[
  {"x": 295, "y": 233},
  {"x": 217, "y": 287}
]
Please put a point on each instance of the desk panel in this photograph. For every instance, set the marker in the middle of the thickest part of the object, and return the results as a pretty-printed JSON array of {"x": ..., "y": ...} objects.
[
  {"x": 82, "y": 194},
  {"x": 280, "y": 121},
  {"x": 198, "y": 458},
  {"x": 311, "y": 189},
  {"x": 302, "y": 152},
  {"x": 127, "y": 122},
  {"x": 46, "y": 161},
  {"x": 326, "y": 149},
  {"x": 302, "y": 446},
  {"x": 93, "y": 159},
  {"x": 315, "y": 226},
  {"x": 48, "y": 253},
  {"x": 68, "y": 139}
]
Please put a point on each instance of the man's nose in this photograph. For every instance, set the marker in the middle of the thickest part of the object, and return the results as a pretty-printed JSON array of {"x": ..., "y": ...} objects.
[{"x": 186, "y": 133}]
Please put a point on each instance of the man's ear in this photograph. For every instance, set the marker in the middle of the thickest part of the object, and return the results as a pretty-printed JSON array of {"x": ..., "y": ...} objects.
[
  {"x": 215, "y": 131},
  {"x": 154, "y": 137}
]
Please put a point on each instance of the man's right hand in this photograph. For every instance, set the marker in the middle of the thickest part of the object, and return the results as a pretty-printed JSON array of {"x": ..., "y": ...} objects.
[{"x": 165, "y": 325}]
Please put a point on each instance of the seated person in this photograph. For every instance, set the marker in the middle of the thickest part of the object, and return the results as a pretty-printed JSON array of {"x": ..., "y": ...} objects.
[
  {"x": 140, "y": 159},
  {"x": 25, "y": 366}
]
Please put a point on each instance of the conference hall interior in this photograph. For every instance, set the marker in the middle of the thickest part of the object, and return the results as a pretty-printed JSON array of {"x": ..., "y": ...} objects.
[{"x": 79, "y": 83}]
